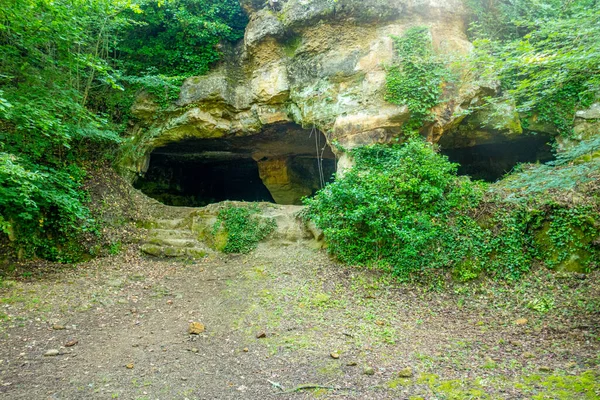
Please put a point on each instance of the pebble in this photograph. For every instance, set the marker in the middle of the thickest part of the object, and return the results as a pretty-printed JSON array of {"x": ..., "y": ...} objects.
[
  {"x": 71, "y": 343},
  {"x": 58, "y": 327},
  {"x": 369, "y": 371},
  {"x": 51, "y": 353},
  {"x": 261, "y": 335},
  {"x": 129, "y": 366},
  {"x": 245, "y": 349},
  {"x": 335, "y": 356},
  {"x": 352, "y": 364},
  {"x": 196, "y": 328},
  {"x": 380, "y": 322}
]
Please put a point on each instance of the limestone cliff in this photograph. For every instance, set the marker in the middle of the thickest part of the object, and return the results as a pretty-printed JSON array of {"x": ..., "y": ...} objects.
[{"x": 316, "y": 63}]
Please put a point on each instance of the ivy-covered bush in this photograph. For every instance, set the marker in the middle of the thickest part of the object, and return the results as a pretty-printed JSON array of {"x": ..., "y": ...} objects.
[{"x": 402, "y": 208}]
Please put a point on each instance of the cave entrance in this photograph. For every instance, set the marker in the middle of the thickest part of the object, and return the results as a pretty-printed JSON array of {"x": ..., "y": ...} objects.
[
  {"x": 490, "y": 162},
  {"x": 282, "y": 164}
]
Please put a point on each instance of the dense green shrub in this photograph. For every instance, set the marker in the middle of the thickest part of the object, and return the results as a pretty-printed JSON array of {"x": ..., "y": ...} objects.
[
  {"x": 400, "y": 208},
  {"x": 239, "y": 229},
  {"x": 43, "y": 209},
  {"x": 403, "y": 208}
]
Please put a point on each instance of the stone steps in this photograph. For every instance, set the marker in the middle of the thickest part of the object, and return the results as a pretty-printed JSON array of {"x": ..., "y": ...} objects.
[
  {"x": 173, "y": 252},
  {"x": 170, "y": 224},
  {"x": 160, "y": 241},
  {"x": 172, "y": 238},
  {"x": 170, "y": 233}
]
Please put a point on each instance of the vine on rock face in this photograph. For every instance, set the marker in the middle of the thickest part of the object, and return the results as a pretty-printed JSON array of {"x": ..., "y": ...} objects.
[{"x": 416, "y": 80}]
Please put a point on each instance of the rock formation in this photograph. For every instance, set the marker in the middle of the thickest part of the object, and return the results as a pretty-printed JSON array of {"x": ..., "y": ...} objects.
[{"x": 318, "y": 64}]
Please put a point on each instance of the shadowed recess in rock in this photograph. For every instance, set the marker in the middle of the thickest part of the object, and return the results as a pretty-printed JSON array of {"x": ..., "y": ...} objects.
[
  {"x": 491, "y": 161},
  {"x": 282, "y": 164}
]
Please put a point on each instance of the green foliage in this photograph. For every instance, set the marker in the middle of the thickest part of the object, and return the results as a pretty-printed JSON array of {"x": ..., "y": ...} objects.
[
  {"x": 399, "y": 208},
  {"x": 69, "y": 73},
  {"x": 403, "y": 209},
  {"x": 178, "y": 37},
  {"x": 53, "y": 56},
  {"x": 243, "y": 228},
  {"x": 44, "y": 208},
  {"x": 546, "y": 54},
  {"x": 416, "y": 79}
]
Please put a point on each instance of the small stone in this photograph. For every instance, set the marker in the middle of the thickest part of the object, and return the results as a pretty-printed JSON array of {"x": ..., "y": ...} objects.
[
  {"x": 195, "y": 350},
  {"x": 351, "y": 364},
  {"x": 58, "y": 327},
  {"x": 545, "y": 369},
  {"x": 521, "y": 321},
  {"x": 245, "y": 349},
  {"x": 405, "y": 373},
  {"x": 183, "y": 378},
  {"x": 261, "y": 335},
  {"x": 369, "y": 371},
  {"x": 335, "y": 356},
  {"x": 71, "y": 343},
  {"x": 129, "y": 366},
  {"x": 196, "y": 328},
  {"x": 51, "y": 353},
  {"x": 380, "y": 322},
  {"x": 169, "y": 302}
]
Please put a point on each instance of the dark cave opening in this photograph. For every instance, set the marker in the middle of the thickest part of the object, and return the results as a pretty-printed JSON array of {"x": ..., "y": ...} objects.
[
  {"x": 282, "y": 164},
  {"x": 490, "y": 162},
  {"x": 178, "y": 181}
]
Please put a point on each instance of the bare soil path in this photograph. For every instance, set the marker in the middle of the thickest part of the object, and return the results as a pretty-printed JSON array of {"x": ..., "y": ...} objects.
[{"x": 330, "y": 331}]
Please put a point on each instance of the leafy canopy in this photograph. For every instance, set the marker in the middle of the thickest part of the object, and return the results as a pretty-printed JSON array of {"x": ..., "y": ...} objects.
[
  {"x": 546, "y": 54},
  {"x": 178, "y": 37}
]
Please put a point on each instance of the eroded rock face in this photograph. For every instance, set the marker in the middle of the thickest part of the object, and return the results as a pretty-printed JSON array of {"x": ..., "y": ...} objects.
[{"x": 318, "y": 63}]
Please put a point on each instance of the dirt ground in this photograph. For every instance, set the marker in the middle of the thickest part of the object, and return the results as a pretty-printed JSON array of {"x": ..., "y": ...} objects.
[{"x": 331, "y": 331}]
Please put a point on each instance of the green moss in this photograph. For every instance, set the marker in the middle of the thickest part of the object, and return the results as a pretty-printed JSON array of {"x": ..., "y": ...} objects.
[
  {"x": 561, "y": 387},
  {"x": 291, "y": 45},
  {"x": 564, "y": 241},
  {"x": 239, "y": 229},
  {"x": 394, "y": 383}
]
